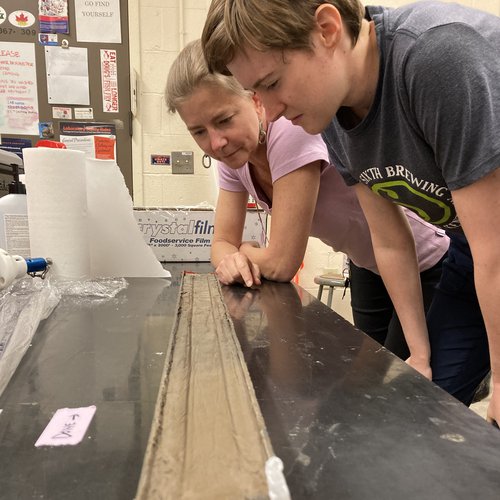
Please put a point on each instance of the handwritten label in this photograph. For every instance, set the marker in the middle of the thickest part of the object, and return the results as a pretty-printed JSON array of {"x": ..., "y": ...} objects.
[
  {"x": 67, "y": 427},
  {"x": 18, "y": 89}
]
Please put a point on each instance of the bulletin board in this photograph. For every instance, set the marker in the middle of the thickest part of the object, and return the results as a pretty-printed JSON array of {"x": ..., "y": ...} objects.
[{"x": 72, "y": 87}]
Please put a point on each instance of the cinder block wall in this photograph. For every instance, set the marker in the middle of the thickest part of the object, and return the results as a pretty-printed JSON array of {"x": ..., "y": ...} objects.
[{"x": 158, "y": 30}]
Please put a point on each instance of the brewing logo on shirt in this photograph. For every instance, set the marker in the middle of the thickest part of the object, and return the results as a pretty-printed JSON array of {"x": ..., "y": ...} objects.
[{"x": 429, "y": 200}]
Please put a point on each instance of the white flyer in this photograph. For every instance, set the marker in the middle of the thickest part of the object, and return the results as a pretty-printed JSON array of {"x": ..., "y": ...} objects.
[
  {"x": 98, "y": 21},
  {"x": 67, "y": 75},
  {"x": 18, "y": 89}
]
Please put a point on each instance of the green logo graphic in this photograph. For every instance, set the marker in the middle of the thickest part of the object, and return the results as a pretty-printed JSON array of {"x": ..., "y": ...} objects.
[{"x": 428, "y": 206}]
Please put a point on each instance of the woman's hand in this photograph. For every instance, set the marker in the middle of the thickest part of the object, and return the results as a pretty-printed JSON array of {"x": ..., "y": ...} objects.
[
  {"x": 422, "y": 365},
  {"x": 238, "y": 268}
]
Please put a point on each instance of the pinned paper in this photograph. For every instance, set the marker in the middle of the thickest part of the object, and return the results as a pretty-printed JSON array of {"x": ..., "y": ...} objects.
[
  {"x": 90, "y": 137},
  {"x": 98, "y": 22},
  {"x": 67, "y": 75},
  {"x": 61, "y": 112},
  {"x": 46, "y": 130},
  {"x": 109, "y": 80},
  {"x": 18, "y": 89},
  {"x": 104, "y": 147},
  {"x": 67, "y": 427},
  {"x": 53, "y": 16},
  {"x": 47, "y": 39},
  {"x": 84, "y": 114}
]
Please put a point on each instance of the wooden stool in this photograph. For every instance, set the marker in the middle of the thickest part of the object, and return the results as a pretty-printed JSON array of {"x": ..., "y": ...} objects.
[{"x": 332, "y": 281}]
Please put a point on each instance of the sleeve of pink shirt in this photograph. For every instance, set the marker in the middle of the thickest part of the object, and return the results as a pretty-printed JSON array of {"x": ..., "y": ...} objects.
[
  {"x": 290, "y": 148},
  {"x": 229, "y": 178}
]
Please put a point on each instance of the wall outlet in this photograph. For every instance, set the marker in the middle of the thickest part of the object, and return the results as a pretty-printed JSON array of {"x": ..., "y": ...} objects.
[{"x": 182, "y": 162}]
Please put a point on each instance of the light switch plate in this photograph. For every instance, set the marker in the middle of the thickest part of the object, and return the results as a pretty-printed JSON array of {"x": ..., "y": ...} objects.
[{"x": 182, "y": 162}]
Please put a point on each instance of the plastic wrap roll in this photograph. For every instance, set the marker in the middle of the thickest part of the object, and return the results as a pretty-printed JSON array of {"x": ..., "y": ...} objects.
[{"x": 57, "y": 209}]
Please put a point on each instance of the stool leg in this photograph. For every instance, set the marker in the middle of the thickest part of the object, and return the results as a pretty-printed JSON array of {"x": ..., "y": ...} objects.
[
  {"x": 320, "y": 292},
  {"x": 330, "y": 296}
]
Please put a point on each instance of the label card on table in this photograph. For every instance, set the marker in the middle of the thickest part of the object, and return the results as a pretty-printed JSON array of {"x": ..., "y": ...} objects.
[{"x": 67, "y": 427}]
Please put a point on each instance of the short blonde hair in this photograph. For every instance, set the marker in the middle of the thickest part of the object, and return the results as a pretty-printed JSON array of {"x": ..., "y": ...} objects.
[
  {"x": 231, "y": 25},
  {"x": 189, "y": 71}
]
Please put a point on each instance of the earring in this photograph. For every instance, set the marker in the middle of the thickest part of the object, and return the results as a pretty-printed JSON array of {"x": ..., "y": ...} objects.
[
  {"x": 206, "y": 161},
  {"x": 262, "y": 134}
]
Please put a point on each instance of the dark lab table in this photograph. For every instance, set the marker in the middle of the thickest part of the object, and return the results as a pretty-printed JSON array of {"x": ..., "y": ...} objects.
[{"x": 348, "y": 419}]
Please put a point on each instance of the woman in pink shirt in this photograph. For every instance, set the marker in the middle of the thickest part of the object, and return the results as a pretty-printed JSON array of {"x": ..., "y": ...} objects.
[{"x": 288, "y": 173}]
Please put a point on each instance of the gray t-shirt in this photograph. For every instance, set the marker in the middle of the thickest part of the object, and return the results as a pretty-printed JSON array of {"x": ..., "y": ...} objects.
[{"x": 434, "y": 125}]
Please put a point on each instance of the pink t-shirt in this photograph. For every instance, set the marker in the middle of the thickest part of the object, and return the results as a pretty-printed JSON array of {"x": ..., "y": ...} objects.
[{"x": 338, "y": 219}]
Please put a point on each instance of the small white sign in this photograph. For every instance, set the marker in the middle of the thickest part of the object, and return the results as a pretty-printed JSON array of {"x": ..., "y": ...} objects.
[
  {"x": 61, "y": 113},
  {"x": 67, "y": 427},
  {"x": 84, "y": 113}
]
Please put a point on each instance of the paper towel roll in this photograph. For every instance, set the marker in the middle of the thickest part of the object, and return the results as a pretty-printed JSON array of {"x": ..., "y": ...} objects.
[
  {"x": 57, "y": 209},
  {"x": 117, "y": 246}
]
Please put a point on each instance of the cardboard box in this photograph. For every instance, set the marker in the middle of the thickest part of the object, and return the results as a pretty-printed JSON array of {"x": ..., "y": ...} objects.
[{"x": 185, "y": 234}]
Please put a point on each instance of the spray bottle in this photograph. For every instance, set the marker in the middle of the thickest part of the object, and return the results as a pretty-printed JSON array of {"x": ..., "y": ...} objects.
[{"x": 14, "y": 232}]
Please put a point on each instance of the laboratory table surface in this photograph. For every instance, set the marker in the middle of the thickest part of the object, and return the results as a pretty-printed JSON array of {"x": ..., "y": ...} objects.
[{"x": 348, "y": 419}]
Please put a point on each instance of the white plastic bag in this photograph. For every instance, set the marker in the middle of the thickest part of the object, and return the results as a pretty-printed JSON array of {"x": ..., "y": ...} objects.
[{"x": 22, "y": 306}]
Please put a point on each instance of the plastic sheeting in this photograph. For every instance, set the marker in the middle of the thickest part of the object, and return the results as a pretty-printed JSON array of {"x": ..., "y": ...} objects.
[{"x": 29, "y": 301}]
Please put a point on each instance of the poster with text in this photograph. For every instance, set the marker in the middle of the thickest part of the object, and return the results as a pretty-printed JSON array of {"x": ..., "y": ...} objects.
[
  {"x": 96, "y": 140},
  {"x": 109, "y": 78},
  {"x": 18, "y": 89},
  {"x": 98, "y": 21},
  {"x": 86, "y": 128}
]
